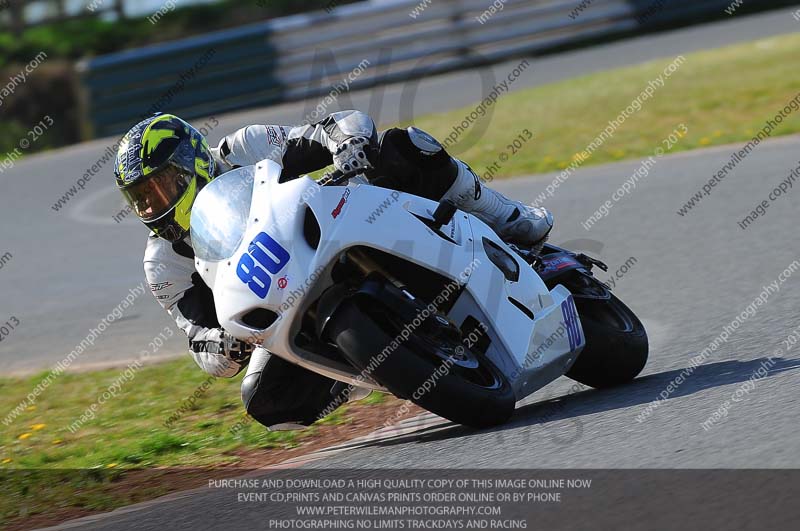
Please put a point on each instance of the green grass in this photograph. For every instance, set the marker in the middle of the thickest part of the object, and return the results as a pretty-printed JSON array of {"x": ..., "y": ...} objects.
[
  {"x": 722, "y": 96},
  {"x": 129, "y": 429},
  {"x": 127, "y": 433}
]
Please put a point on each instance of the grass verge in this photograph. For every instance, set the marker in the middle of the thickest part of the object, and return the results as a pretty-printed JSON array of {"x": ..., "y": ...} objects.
[
  {"x": 723, "y": 96},
  {"x": 47, "y": 469}
]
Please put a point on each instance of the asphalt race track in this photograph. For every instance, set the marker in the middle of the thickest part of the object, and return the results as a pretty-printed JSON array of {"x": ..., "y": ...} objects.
[
  {"x": 690, "y": 277},
  {"x": 72, "y": 267}
]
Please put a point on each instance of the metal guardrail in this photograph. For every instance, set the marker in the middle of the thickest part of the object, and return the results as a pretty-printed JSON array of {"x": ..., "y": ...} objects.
[{"x": 306, "y": 55}]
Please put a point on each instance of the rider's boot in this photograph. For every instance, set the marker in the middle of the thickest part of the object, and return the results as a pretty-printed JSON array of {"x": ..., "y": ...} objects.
[{"x": 513, "y": 221}]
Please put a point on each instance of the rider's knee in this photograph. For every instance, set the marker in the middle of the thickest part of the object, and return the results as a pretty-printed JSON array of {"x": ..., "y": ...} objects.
[
  {"x": 416, "y": 147},
  {"x": 418, "y": 162},
  {"x": 258, "y": 404},
  {"x": 274, "y": 400},
  {"x": 249, "y": 389}
]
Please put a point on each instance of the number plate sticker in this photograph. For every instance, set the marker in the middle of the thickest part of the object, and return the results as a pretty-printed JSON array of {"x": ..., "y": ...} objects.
[
  {"x": 571, "y": 322},
  {"x": 264, "y": 257}
]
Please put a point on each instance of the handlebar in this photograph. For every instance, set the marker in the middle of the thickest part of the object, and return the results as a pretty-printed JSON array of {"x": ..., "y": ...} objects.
[{"x": 337, "y": 177}]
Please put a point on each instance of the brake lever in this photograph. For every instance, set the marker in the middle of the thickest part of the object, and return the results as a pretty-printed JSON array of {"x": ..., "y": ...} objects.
[
  {"x": 589, "y": 261},
  {"x": 337, "y": 177}
]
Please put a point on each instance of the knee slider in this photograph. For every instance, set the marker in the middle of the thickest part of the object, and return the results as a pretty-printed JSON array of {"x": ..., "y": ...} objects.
[
  {"x": 418, "y": 148},
  {"x": 425, "y": 143}
]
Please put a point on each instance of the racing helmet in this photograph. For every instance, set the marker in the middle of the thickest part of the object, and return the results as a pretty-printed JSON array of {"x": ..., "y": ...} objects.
[{"x": 162, "y": 164}]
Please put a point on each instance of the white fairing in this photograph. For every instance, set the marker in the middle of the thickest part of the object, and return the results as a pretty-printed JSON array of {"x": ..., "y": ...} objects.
[{"x": 261, "y": 259}]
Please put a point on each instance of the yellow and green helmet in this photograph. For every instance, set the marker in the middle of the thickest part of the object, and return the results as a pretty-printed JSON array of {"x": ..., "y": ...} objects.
[{"x": 162, "y": 164}]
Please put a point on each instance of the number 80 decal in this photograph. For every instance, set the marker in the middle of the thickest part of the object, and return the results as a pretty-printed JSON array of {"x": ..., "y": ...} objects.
[{"x": 264, "y": 256}]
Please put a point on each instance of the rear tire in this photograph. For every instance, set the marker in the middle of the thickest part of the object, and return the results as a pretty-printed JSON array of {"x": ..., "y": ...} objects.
[
  {"x": 362, "y": 335},
  {"x": 616, "y": 343}
]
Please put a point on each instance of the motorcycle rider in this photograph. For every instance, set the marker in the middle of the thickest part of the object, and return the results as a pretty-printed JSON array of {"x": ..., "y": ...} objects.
[{"x": 163, "y": 162}]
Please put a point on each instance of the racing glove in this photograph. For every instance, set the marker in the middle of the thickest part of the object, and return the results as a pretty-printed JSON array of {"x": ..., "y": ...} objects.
[
  {"x": 353, "y": 154},
  {"x": 220, "y": 354}
]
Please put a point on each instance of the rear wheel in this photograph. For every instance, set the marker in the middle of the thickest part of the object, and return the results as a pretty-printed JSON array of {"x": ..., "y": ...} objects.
[
  {"x": 431, "y": 367},
  {"x": 616, "y": 343}
]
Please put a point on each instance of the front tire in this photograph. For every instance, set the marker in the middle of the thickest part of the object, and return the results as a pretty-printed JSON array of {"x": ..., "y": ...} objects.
[
  {"x": 616, "y": 343},
  {"x": 480, "y": 397}
]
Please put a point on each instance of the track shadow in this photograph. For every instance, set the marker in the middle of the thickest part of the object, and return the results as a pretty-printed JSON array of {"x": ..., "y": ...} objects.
[
  {"x": 643, "y": 391},
  {"x": 640, "y": 392}
]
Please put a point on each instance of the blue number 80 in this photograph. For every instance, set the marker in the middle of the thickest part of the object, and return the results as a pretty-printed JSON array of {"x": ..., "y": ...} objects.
[{"x": 262, "y": 253}]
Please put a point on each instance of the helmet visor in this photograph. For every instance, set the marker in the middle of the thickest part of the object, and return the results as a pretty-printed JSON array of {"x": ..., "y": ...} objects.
[{"x": 159, "y": 192}]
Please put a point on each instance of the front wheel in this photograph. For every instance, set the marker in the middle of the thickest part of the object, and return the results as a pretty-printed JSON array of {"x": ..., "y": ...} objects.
[
  {"x": 616, "y": 343},
  {"x": 432, "y": 369}
]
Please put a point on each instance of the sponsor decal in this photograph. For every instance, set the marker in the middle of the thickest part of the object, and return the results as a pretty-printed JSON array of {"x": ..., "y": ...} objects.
[
  {"x": 570, "y": 313},
  {"x": 275, "y": 136},
  {"x": 159, "y": 286},
  {"x": 557, "y": 264},
  {"x": 283, "y": 282},
  {"x": 478, "y": 188},
  {"x": 338, "y": 210}
]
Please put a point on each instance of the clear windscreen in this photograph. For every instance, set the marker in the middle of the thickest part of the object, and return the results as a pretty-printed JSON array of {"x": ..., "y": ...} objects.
[{"x": 219, "y": 214}]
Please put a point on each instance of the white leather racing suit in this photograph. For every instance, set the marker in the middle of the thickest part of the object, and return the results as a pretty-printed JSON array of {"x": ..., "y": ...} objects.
[{"x": 169, "y": 267}]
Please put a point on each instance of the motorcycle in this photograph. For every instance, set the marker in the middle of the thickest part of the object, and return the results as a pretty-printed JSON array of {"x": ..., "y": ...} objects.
[{"x": 389, "y": 291}]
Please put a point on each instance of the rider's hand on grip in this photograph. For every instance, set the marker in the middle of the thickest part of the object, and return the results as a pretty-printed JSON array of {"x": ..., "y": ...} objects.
[
  {"x": 353, "y": 154},
  {"x": 237, "y": 350},
  {"x": 219, "y": 342}
]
